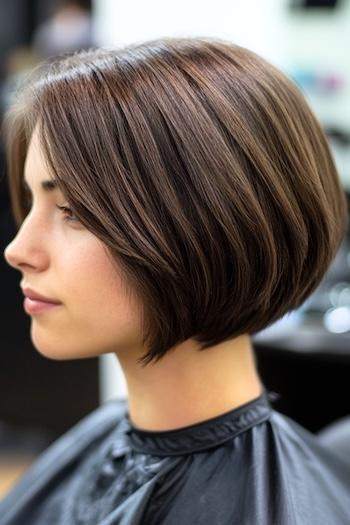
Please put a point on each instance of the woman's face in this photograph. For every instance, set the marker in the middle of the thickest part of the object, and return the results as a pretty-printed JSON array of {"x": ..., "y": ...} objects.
[{"x": 63, "y": 261}]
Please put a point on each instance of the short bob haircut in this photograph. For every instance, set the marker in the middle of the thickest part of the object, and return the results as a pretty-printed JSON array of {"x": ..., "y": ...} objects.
[{"x": 202, "y": 169}]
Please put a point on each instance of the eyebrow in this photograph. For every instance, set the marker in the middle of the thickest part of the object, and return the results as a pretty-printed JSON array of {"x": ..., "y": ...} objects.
[{"x": 47, "y": 185}]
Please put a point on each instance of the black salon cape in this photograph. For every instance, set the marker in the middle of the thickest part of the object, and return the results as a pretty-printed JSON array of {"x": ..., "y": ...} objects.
[{"x": 249, "y": 466}]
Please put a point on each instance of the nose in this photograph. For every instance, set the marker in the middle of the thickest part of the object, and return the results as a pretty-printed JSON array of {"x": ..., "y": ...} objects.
[{"x": 26, "y": 251}]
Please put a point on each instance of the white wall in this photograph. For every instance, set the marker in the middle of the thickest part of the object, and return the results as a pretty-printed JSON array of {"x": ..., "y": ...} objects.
[
  {"x": 321, "y": 42},
  {"x": 250, "y": 23},
  {"x": 111, "y": 379}
]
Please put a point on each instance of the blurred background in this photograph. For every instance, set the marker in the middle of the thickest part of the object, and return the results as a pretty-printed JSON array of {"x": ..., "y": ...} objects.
[{"x": 305, "y": 357}]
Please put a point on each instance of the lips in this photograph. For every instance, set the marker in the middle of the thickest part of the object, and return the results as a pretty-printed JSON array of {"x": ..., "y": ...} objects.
[{"x": 31, "y": 294}]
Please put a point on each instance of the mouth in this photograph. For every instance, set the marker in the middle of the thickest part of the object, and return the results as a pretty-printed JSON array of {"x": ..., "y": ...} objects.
[
  {"x": 35, "y": 303},
  {"x": 34, "y": 306}
]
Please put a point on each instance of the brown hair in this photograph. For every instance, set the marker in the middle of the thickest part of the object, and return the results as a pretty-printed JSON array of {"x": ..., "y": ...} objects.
[{"x": 202, "y": 169}]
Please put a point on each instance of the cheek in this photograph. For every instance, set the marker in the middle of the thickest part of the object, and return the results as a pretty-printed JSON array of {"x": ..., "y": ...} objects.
[
  {"x": 98, "y": 315},
  {"x": 92, "y": 282},
  {"x": 97, "y": 304}
]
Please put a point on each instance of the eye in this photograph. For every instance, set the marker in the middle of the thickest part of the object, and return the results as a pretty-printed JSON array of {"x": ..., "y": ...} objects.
[
  {"x": 27, "y": 201},
  {"x": 68, "y": 214}
]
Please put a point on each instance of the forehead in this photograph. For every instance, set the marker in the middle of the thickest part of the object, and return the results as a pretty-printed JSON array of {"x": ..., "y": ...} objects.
[
  {"x": 34, "y": 161},
  {"x": 36, "y": 169}
]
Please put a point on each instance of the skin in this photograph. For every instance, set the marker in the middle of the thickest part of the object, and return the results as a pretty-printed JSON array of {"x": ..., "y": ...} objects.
[{"x": 62, "y": 260}]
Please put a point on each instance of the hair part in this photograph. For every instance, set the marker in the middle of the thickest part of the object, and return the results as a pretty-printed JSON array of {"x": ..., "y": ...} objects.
[{"x": 203, "y": 170}]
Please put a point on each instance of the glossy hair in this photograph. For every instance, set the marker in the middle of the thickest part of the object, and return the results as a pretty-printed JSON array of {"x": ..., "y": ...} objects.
[{"x": 203, "y": 170}]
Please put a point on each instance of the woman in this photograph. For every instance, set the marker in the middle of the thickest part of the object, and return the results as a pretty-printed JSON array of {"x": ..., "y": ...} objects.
[{"x": 174, "y": 197}]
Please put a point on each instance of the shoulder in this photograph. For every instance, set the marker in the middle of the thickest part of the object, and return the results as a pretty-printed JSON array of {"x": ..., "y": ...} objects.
[
  {"x": 311, "y": 479},
  {"x": 63, "y": 452},
  {"x": 91, "y": 428},
  {"x": 276, "y": 472}
]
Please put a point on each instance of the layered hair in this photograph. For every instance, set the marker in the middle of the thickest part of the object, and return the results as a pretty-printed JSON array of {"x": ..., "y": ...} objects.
[{"x": 201, "y": 168}]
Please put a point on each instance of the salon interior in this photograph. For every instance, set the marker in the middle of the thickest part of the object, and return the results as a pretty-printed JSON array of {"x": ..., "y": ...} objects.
[{"x": 304, "y": 358}]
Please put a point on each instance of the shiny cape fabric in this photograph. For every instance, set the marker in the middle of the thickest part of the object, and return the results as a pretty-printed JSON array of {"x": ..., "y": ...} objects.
[{"x": 250, "y": 466}]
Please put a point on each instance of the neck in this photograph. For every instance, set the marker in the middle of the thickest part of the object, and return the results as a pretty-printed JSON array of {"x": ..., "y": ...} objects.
[{"x": 187, "y": 386}]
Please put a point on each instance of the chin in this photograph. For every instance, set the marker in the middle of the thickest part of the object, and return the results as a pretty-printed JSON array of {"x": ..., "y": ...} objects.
[
  {"x": 58, "y": 351},
  {"x": 58, "y": 346},
  {"x": 54, "y": 354},
  {"x": 60, "y": 354}
]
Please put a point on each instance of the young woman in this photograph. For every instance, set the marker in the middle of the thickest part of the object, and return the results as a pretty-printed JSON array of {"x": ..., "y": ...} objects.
[{"x": 174, "y": 198}]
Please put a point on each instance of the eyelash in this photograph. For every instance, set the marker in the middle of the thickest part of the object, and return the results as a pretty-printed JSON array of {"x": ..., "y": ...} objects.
[{"x": 68, "y": 214}]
